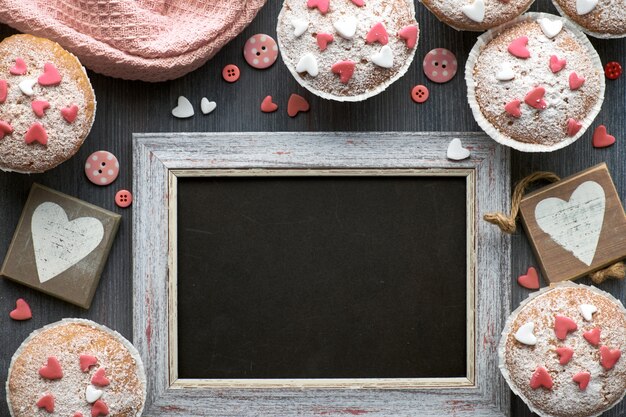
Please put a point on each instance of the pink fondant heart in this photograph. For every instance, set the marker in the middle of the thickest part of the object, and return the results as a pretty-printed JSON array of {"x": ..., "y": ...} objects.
[
  {"x": 52, "y": 370},
  {"x": 609, "y": 357},
  {"x": 323, "y": 39},
  {"x": 409, "y": 34},
  {"x": 592, "y": 336},
  {"x": 531, "y": 279},
  {"x": 541, "y": 378},
  {"x": 322, "y": 5},
  {"x": 601, "y": 139},
  {"x": 345, "y": 69},
  {"x": 557, "y": 64},
  {"x": 377, "y": 33},
  {"x": 69, "y": 113},
  {"x": 535, "y": 98},
  {"x": 267, "y": 106},
  {"x": 40, "y": 107},
  {"x": 565, "y": 354},
  {"x": 22, "y": 311},
  {"x": 297, "y": 104},
  {"x": 582, "y": 379},
  {"x": 86, "y": 362},
  {"x": 19, "y": 68},
  {"x": 99, "y": 408},
  {"x": 575, "y": 82},
  {"x": 573, "y": 126},
  {"x": 563, "y": 325},
  {"x": 5, "y": 129},
  {"x": 359, "y": 3},
  {"x": 513, "y": 108},
  {"x": 518, "y": 47},
  {"x": 46, "y": 402},
  {"x": 50, "y": 75},
  {"x": 99, "y": 378},
  {"x": 3, "y": 91},
  {"x": 78, "y": 414},
  {"x": 36, "y": 133}
]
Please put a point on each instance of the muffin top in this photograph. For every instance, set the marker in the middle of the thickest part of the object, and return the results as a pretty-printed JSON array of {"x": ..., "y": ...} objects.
[
  {"x": 476, "y": 15},
  {"x": 574, "y": 366},
  {"x": 347, "y": 50},
  {"x": 599, "y": 18}
]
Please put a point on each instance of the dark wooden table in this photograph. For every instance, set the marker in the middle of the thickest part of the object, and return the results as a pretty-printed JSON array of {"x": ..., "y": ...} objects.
[{"x": 125, "y": 107}]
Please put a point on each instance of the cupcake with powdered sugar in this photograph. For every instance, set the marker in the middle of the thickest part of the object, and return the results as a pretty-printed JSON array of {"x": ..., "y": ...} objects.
[
  {"x": 476, "y": 15},
  {"x": 598, "y": 18}
]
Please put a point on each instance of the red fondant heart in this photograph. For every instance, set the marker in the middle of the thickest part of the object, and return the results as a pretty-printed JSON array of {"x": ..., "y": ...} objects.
[
  {"x": 40, "y": 107},
  {"x": 513, "y": 108},
  {"x": 592, "y": 336},
  {"x": 5, "y": 129},
  {"x": 52, "y": 370},
  {"x": 563, "y": 325},
  {"x": 322, "y": 5},
  {"x": 22, "y": 310},
  {"x": 535, "y": 98},
  {"x": 601, "y": 139},
  {"x": 99, "y": 378},
  {"x": 609, "y": 357},
  {"x": 530, "y": 280},
  {"x": 377, "y": 33},
  {"x": 267, "y": 106},
  {"x": 575, "y": 82},
  {"x": 19, "y": 68},
  {"x": 582, "y": 379},
  {"x": 359, "y": 3},
  {"x": 3, "y": 91},
  {"x": 99, "y": 408},
  {"x": 69, "y": 113},
  {"x": 296, "y": 105},
  {"x": 86, "y": 362},
  {"x": 345, "y": 69},
  {"x": 50, "y": 75},
  {"x": 541, "y": 378},
  {"x": 518, "y": 47},
  {"x": 565, "y": 354},
  {"x": 323, "y": 39},
  {"x": 573, "y": 126},
  {"x": 78, "y": 414},
  {"x": 409, "y": 34},
  {"x": 557, "y": 64},
  {"x": 36, "y": 133},
  {"x": 46, "y": 402}
]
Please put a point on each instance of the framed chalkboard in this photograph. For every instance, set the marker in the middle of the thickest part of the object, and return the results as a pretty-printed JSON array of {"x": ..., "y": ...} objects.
[{"x": 328, "y": 268}]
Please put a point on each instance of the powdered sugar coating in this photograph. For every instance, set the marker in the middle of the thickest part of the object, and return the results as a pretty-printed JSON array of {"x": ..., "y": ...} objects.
[
  {"x": 606, "y": 20},
  {"x": 518, "y": 361},
  {"x": 496, "y": 12},
  {"x": 368, "y": 79}
]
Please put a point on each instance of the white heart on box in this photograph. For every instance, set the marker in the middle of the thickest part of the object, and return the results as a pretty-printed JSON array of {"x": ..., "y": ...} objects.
[
  {"x": 575, "y": 224},
  {"x": 60, "y": 243},
  {"x": 456, "y": 151}
]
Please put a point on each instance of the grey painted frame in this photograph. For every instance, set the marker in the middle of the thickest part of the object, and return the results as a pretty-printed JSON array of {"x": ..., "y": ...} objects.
[{"x": 159, "y": 158}]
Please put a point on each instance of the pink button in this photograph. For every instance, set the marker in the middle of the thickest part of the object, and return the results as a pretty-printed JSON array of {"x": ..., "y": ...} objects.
[
  {"x": 260, "y": 51},
  {"x": 123, "y": 198},
  {"x": 102, "y": 168},
  {"x": 440, "y": 65}
]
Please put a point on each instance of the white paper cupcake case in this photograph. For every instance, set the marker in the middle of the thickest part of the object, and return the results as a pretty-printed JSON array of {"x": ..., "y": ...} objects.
[
  {"x": 492, "y": 130},
  {"x": 507, "y": 330},
  {"x": 583, "y": 29}
]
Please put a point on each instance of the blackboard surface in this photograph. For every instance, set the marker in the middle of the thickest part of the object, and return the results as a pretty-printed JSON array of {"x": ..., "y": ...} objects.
[{"x": 321, "y": 277}]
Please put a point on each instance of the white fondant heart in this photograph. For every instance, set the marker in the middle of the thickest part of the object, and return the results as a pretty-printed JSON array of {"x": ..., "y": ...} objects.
[
  {"x": 26, "y": 86},
  {"x": 346, "y": 27},
  {"x": 456, "y": 151},
  {"x": 550, "y": 28},
  {"x": 60, "y": 243},
  {"x": 525, "y": 334},
  {"x": 587, "y": 310},
  {"x": 384, "y": 58},
  {"x": 184, "y": 108},
  {"x": 575, "y": 224},
  {"x": 506, "y": 73},
  {"x": 475, "y": 11},
  {"x": 308, "y": 64},
  {"x": 92, "y": 394},
  {"x": 299, "y": 27},
  {"x": 585, "y": 6},
  {"x": 207, "y": 106}
]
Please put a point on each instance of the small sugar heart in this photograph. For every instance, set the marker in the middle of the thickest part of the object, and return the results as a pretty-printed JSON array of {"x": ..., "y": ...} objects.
[
  {"x": 513, "y": 108},
  {"x": 565, "y": 354},
  {"x": 534, "y": 98},
  {"x": 36, "y": 133},
  {"x": 345, "y": 69},
  {"x": 475, "y": 11},
  {"x": 46, "y": 402},
  {"x": 541, "y": 378},
  {"x": 525, "y": 334},
  {"x": 506, "y": 73},
  {"x": 78, "y": 414},
  {"x": 39, "y": 107},
  {"x": 26, "y": 86},
  {"x": 592, "y": 336},
  {"x": 323, "y": 39},
  {"x": 308, "y": 64},
  {"x": 322, "y": 5},
  {"x": 575, "y": 82},
  {"x": 50, "y": 75},
  {"x": 346, "y": 27},
  {"x": 92, "y": 394},
  {"x": 86, "y": 362},
  {"x": 207, "y": 106},
  {"x": 384, "y": 58},
  {"x": 530, "y": 280},
  {"x": 518, "y": 48},
  {"x": 456, "y": 151},
  {"x": 99, "y": 378},
  {"x": 52, "y": 370},
  {"x": 550, "y": 28},
  {"x": 587, "y": 311},
  {"x": 267, "y": 106},
  {"x": 409, "y": 34},
  {"x": 184, "y": 108},
  {"x": 22, "y": 311},
  {"x": 359, "y": 3},
  {"x": 573, "y": 126},
  {"x": 582, "y": 379},
  {"x": 299, "y": 26},
  {"x": 3, "y": 91},
  {"x": 585, "y": 6},
  {"x": 99, "y": 408},
  {"x": 296, "y": 105},
  {"x": 70, "y": 113},
  {"x": 377, "y": 33},
  {"x": 609, "y": 357},
  {"x": 563, "y": 325},
  {"x": 19, "y": 68},
  {"x": 601, "y": 139},
  {"x": 557, "y": 64},
  {"x": 5, "y": 129}
]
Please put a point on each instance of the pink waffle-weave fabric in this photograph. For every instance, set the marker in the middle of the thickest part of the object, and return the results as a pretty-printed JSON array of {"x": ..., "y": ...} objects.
[{"x": 150, "y": 40}]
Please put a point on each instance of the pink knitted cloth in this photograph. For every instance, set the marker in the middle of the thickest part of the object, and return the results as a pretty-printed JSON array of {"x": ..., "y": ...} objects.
[{"x": 150, "y": 40}]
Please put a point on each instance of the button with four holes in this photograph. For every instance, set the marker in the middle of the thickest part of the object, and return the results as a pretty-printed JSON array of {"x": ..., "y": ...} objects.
[
  {"x": 419, "y": 94},
  {"x": 231, "y": 73},
  {"x": 102, "y": 168},
  {"x": 123, "y": 198},
  {"x": 440, "y": 65},
  {"x": 612, "y": 70}
]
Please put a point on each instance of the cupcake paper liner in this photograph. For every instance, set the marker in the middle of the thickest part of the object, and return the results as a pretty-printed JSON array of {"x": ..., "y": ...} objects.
[{"x": 583, "y": 29}]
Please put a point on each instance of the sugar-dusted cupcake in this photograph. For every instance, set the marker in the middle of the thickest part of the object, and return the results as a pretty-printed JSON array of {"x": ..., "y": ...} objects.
[
  {"x": 598, "y": 18},
  {"x": 76, "y": 367},
  {"x": 476, "y": 15},
  {"x": 347, "y": 50},
  {"x": 535, "y": 84},
  {"x": 47, "y": 105},
  {"x": 561, "y": 351}
]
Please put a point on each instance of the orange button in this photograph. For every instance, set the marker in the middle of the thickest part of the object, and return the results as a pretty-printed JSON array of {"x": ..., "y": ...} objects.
[
  {"x": 123, "y": 198},
  {"x": 419, "y": 94},
  {"x": 231, "y": 73}
]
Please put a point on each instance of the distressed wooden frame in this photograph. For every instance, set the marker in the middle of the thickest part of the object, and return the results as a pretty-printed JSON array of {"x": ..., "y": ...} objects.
[{"x": 159, "y": 159}]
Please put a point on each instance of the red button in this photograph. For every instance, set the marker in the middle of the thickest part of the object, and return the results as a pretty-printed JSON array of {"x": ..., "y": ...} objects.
[
  {"x": 419, "y": 94},
  {"x": 123, "y": 198},
  {"x": 231, "y": 73},
  {"x": 612, "y": 70}
]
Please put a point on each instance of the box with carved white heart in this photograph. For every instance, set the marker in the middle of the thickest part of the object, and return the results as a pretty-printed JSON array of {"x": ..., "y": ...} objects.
[{"x": 60, "y": 246}]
